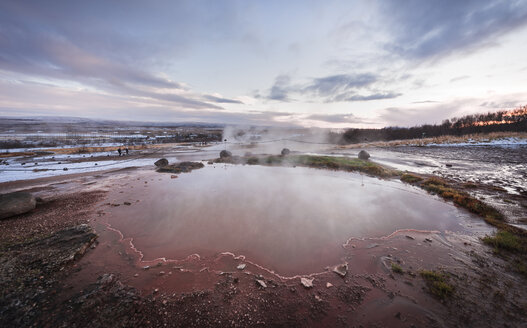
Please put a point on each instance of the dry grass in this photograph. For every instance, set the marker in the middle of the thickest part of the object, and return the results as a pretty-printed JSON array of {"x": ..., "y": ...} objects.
[{"x": 439, "y": 140}]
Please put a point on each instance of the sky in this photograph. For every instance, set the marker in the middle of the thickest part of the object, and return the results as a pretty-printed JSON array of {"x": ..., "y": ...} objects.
[{"x": 332, "y": 64}]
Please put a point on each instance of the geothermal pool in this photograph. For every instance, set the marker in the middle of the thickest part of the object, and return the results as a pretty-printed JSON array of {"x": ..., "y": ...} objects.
[{"x": 288, "y": 220}]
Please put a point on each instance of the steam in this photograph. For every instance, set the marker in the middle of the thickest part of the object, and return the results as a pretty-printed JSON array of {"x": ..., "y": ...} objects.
[{"x": 271, "y": 140}]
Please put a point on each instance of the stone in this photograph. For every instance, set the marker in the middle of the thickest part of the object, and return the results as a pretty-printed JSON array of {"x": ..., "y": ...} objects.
[
  {"x": 307, "y": 282},
  {"x": 161, "y": 162},
  {"x": 285, "y": 152},
  {"x": 364, "y": 155},
  {"x": 173, "y": 176},
  {"x": 329, "y": 285},
  {"x": 241, "y": 266},
  {"x": 410, "y": 237},
  {"x": 341, "y": 269},
  {"x": 261, "y": 283},
  {"x": 16, "y": 203},
  {"x": 225, "y": 154}
]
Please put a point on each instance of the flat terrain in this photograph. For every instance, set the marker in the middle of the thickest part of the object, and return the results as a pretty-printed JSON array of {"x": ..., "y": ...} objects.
[{"x": 159, "y": 257}]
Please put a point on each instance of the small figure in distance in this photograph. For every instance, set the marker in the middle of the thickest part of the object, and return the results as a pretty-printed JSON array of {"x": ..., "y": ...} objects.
[
  {"x": 119, "y": 151},
  {"x": 126, "y": 150}
]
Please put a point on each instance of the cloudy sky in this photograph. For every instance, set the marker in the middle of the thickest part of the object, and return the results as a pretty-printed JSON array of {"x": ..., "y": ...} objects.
[{"x": 311, "y": 63}]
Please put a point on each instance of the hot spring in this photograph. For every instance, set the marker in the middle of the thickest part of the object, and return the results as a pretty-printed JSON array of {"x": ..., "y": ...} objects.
[{"x": 288, "y": 220}]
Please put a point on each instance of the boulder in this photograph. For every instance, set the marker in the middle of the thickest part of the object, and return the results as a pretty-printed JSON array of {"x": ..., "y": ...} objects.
[
  {"x": 364, "y": 155},
  {"x": 225, "y": 154},
  {"x": 16, "y": 203},
  {"x": 161, "y": 162},
  {"x": 285, "y": 151}
]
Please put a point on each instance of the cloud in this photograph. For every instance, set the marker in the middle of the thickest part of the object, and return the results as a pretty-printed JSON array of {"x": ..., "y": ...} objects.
[
  {"x": 46, "y": 43},
  {"x": 374, "y": 96},
  {"x": 221, "y": 100},
  {"x": 422, "y": 30},
  {"x": 459, "y": 78},
  {"x": 337, "y": 118},
  {"x": 340, "y": 84},
  {"x": 332, "y": 88},
  {"x": 281, "y": 88}
]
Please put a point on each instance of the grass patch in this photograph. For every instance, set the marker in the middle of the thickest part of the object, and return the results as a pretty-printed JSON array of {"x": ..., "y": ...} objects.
[
  {"x": 504, "y": 240},
  {"x": 437, "y": 284},
  {"x": 410, "y": 178},
  {"x": 445, "y": 190},
  {"x": 397, "y": 268},
  {"x": 322, "y": 162}
]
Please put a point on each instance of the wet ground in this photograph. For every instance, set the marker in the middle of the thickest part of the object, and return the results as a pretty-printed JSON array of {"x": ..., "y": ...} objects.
[{"x": 196, "y": 248}]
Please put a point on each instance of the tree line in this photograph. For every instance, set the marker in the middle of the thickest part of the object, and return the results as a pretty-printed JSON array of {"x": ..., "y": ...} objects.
[{"x": 501, "y": 121}]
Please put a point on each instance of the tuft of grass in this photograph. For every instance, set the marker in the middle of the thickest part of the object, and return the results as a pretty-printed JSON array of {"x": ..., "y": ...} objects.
[
  {"x": 411, "y": 178},
  {"x": 504, "y": 240},
  {"x": 343, "y": 164},
  {"x": 445, "y": 190},
  {"x": 397, "y": 268},
  {"x": 437, "y": 284},
  {"x": 322, "y": 162}
]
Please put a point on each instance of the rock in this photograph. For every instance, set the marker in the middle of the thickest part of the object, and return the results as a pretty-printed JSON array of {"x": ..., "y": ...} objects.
[
  {"x": 173, "y": 176},
  {"x": 225, "y": 154},
  {"x": 285, "y": 151},
  {"x": 307, "y": 282},
  {"x": 364, "y": 155},
  {"x": 241, "y": 266},
  {"x": 127, "y": 203},
  {"x": 161, "y": 273},
  {"x": 341, "y": 269},
  {"x": 410, "y": 237},
  {"x": 16, "y": 203},
  {"x": 106, "y": 279},
  {"x": 318, "y": 298},
  {"x": 329, "y": 285},
  {"x": 146, "y": 267},
  {"x": 261, "y": 283},
  {"x": 161, "y": 162},
  {"x": 428, "y": 240}
]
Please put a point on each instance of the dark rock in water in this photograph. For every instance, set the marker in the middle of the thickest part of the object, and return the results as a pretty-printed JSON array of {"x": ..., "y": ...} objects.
[
  {"x": 183, "y": 167},
  {"x": 16, "y": 203},
  {"x": 161, "y": 162},
  {"x": 364, "y": 155},
  {"x": 225, "y": 154},
  {"x": 448, "y": 165},
  {"x": 285, "y": 151}
]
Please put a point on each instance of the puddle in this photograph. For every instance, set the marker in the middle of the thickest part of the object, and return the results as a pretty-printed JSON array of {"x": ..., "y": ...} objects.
[{"x": 288, "y": 220}]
